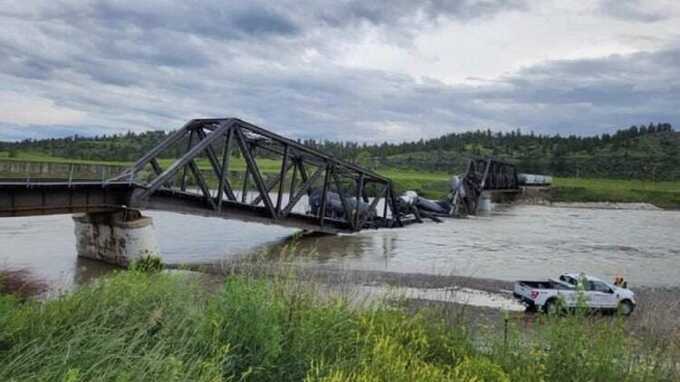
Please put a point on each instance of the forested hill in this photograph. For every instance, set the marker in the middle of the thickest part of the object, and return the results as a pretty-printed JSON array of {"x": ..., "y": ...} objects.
[{"x": 642, "y": 152}]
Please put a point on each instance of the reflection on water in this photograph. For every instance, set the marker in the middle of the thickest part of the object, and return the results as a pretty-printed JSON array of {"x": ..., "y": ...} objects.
[{"x": 521, "y": 242}]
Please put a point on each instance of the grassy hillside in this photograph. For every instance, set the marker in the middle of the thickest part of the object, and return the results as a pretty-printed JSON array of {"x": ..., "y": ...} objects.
[
  {"x": 651, "y": 157},
  {"x": 646, "y": 152}
]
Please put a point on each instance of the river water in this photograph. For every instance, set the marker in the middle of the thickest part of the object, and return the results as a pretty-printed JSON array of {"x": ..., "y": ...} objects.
[{"x": 512, "y": 243}]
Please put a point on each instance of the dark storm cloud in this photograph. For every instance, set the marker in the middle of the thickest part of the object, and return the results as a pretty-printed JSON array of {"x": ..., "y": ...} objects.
[
  {"x": 140, "y": 65},
  {"x": 617, "y": 80}
]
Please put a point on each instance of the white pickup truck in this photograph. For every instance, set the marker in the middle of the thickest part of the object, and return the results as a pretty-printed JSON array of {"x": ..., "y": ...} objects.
[{"x": 552, "y": 294}]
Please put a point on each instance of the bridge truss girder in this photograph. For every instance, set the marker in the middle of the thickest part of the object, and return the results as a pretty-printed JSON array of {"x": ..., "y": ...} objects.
[
  {"x": 277, "y": 197},
  {"x": 486, "y": 174}
]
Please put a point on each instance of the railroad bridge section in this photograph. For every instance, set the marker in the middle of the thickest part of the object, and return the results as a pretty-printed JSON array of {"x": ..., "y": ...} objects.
[{"x": 310, "y": 190}]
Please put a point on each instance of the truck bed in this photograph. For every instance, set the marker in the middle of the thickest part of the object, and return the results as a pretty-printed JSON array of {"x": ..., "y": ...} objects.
[{"x": 543, "y": 284}]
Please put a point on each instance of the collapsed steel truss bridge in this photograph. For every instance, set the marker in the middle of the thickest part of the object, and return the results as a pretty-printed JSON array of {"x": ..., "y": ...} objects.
[
  {"x": 308, "y": 189},
  {"x": 485, "y": 175}
]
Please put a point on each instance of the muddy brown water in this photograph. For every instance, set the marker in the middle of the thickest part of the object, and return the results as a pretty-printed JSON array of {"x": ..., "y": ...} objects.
[{"x": 521, "y": 242}]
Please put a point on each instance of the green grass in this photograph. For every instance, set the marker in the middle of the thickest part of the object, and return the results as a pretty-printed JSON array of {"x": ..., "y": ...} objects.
[
  {"x": 429, "y": 184},
  {"x": 661, "y": 194},
  {"x": 138, "y": 326},
  {"x": 237, "y": 164},
  {"x": 23, "y": 156},
  {"x": 435, "y": 185}
]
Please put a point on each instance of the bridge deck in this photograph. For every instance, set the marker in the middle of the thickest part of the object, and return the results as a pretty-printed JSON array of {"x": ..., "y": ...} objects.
[{"x": 58, "y": 197}]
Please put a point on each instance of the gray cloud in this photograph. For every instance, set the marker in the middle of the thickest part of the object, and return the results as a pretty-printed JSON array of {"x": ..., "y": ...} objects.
[
  {"x": 157, "y": 64},
  {"x": 392, "y": 12},
  {"x": 632, "y": 10}
]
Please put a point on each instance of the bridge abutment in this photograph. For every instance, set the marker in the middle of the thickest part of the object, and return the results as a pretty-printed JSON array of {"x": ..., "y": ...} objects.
[{"x": 115, "y": 237}]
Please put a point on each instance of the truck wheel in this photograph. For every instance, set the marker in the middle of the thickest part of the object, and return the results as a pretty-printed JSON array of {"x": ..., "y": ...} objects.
[
  {"x": 626, "y": 308},
  {"x": 551, "y": 307}
]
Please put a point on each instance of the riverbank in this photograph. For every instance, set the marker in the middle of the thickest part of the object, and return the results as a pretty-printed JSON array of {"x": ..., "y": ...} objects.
[
  {"x": 665, "y": 195},
  {"x": 655, "y": 318},
  {"x": 179, "y": 326},
  {"x": 661, "y": 194}
]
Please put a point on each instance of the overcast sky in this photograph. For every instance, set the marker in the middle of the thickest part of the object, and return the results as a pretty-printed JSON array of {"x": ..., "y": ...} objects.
[{"x": 343, "y": 70}]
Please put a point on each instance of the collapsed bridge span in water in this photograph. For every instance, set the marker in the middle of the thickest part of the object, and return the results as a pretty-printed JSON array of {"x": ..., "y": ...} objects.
[
  {"x": 310, "y": 190},
  {"x": 306, "y": 189}
]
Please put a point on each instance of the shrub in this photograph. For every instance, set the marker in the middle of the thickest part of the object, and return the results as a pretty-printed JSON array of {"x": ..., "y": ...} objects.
[
  {"x": 147, "y": 264},
  {"x": 389, "y": 345},
  {"x": 129, "y": 326}
]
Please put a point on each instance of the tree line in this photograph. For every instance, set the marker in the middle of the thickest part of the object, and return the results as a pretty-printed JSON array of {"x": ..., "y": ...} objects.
[{"x": 640, "y": 151}]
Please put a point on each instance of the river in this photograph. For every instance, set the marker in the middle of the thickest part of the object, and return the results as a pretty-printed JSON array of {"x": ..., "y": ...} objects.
[{"x": 520, "y": 242}]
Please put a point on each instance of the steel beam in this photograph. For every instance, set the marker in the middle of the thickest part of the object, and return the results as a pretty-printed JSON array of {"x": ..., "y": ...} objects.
[
  {"x": 273, "y": 182},
  {"x": 345, "y": 207},
  {"x": 255, "y": 172},
  {"x": 282, "y": 178},
  {"x": 183, "y": 182},
  {"x": 301, "y": 192},
  {"x": 202, "y": 137},
  {"x": 324, "y": 195},
  {"x": 186, "y": 158},
  {"x": 214, "y": 163},
  {"x": 224, "y": 170},
  {"x": 155, "y": 152},
  {"x": 202, "y": 184}
]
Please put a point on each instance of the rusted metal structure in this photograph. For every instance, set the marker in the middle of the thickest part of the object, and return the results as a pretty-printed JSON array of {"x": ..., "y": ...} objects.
[
  {"x": 485, "y": 174},
  {"x": 363, "y": 198}
]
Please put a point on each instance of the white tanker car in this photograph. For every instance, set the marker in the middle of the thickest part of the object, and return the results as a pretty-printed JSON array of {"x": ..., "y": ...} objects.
[{"x": 534, "y": 180}]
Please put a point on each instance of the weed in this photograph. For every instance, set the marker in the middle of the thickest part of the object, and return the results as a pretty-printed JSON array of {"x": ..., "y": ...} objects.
[{"x": 164, "y": 326}]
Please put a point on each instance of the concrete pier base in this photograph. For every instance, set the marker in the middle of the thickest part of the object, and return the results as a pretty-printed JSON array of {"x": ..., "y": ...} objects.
[
  {"x": 485, "y": 202},
  {"x": 489, "y": 199},
  {"x": 115, "y": 237}
]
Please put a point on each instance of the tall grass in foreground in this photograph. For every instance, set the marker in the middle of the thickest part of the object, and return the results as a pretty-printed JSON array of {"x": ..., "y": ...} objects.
[{"x": 139, "y": 326}]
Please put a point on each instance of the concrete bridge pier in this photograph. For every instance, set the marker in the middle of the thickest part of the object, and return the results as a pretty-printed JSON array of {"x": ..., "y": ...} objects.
[
  {"x": 488, "y": 199},
  {"x": 485, "y": 202},
  {"x": 115, "y": 237}
]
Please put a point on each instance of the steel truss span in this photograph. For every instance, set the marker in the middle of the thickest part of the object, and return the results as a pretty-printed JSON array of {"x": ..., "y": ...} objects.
[
  {"x": 308, "y": 189},
  {"x": 284, "y": 183}
]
